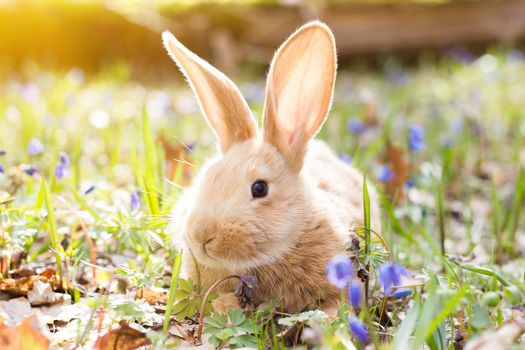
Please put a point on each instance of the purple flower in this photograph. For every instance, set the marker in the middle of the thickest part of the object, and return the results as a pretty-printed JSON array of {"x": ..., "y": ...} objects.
[
  {"x": 339, "y": 271},
  {"x": 385, "y": 174},
  {"x": 2, "y": 170},
  {"x": 461, "y": 54},
  {"x": 61, "y": 171},
  {"x": 30, "y": 93},
  {"x": 30, "y": 170},
  {"x": 354, "y": 293},
  {"x": 62, "y": 168},
  {"x": 355, "y": 126},
  {"x": 402, "y": 293},
  {"x": 2, "y": 152},
  {"x": 64, "y": 159},
  {"x": 390, "y": 275},
  {"x": 89, "y": 190},
  {"x": 416, "y": 138},
  {"x": 244, "y": 288},
  {"x": 35, "y": 147},
  {"x": 345, "y": 158},
  {"x": 359, "y": 329},
  {"x": 410, "y": 183},
  {"x": 135, "y": 200}
]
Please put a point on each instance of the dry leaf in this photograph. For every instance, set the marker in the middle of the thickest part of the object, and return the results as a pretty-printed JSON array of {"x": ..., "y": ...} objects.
[
  {"x": 14, "y": 311},
  {"x": 174, "y": 155},
  {"x": 22, "y": 286},
  {"x": 151, "y": 296},
  {"x": 42, "y": 294},
  {"x": 401, "y": 168},
  {"x": 500, "y": 339},
  {"x": 125, "y": 337},
  {"x": 29, "y": 335}
]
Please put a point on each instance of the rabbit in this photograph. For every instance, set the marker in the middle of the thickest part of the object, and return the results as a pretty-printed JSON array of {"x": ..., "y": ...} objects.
[{"x": 274, "y": 203}]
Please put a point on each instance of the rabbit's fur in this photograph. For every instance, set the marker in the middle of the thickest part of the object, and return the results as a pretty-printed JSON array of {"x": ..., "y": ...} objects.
[{"x": 286, "y": 238}]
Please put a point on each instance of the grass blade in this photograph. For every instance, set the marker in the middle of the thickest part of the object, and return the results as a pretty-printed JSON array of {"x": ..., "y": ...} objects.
[
  {"x": 173, "y": 289},
  {"x": 52, "y": 225}
]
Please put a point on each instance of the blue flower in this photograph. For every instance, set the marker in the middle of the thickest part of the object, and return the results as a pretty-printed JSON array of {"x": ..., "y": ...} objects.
[
  {"x": 416, "y": 138},
  {"x": 62, "y": 168},
  {"x": 345, "y": 158},
  {"x": 390, "y": 275},
  {"x": 355, "y": 126},
  {"x": 339, "y": 271},
  {"x": 64, "y": 159},
  {"x": 35, "y": 147},
  {"x": 135, "y": 200},
  {"x": 89, "y": 190},
  {"x": 61, "y": 171},
  {"x": 30, "y": 170},
  {"x": 385, "y": 174},
  {"x": 359, "y": 329},
  {"x": 354, "y": 293},
  {"x": 410, "y": 183},
  {"x": 402, "y": 293},
  {"x": 2, "y": 170},
  {"x": 2, "y": 152}
]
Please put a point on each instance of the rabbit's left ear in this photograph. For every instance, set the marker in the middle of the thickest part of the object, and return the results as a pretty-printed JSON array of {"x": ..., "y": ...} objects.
[
  {"x": 299, "y": 91},
  {"x": 220, "y": 100}
]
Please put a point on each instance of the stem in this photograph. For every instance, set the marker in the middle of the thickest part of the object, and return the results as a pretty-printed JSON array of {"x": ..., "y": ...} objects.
[
  {"x": 366, "y": 212},
  {"x": 198, "y": 340},
  {"x": 91, "y": 244}
]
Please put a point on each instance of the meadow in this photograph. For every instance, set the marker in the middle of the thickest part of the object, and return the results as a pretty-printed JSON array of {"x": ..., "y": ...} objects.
[{"x": 90, "y": 168}]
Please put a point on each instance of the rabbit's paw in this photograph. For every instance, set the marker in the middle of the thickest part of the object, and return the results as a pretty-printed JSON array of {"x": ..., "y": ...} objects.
[{"x": 226, "y": 301}]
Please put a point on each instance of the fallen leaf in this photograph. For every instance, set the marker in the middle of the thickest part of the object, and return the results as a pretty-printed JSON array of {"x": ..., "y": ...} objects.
[
  {"x": 151, "y": 296},
  {"x": 401, "y": 168},
  {"x": 42, "y": 294},
  {"x": 28, "y": 335},
  {"x": 500, "y": 339},
  {"x": 125, "y": 337},
  {"x": 14, "y": 311},
  {"x": 22, "y": 286}
]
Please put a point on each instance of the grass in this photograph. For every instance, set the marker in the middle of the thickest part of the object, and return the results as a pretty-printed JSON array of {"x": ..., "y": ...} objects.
[{"x": 451, "y": 213}]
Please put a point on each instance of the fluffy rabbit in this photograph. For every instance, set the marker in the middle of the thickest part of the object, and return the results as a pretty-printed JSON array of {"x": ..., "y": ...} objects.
[{"x": 274, "y": 203}]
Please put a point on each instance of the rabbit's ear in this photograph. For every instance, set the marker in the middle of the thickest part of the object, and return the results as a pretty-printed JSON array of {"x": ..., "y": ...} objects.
[
  {"x": 220, "y": 100},
  {"x": 299, "y": 90}
]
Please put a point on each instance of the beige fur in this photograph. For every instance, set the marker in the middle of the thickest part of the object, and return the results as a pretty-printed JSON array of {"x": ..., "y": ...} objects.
[{"x": 286, "y": 238}]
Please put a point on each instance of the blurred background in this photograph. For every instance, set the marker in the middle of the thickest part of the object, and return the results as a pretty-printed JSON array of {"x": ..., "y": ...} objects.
[{"x": 93, "y": 35}]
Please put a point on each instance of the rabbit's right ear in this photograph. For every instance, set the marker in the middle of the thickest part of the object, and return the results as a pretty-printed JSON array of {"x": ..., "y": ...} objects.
[{"x": 220, "y": 100}]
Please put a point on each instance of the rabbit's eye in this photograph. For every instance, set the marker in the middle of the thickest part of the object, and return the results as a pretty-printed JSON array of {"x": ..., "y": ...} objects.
[{"x": 259, "y": 189}]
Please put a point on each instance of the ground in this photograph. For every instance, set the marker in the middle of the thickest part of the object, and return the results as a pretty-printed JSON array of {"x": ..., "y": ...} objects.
[{"x": 90, "y": 167}]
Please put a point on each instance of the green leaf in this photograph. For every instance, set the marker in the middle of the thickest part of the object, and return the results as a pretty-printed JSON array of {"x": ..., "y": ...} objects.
[
  {"x": 402, "y": 337},
  {"x": 236, "y": 316},
  {"x": 483, "y": 271}
]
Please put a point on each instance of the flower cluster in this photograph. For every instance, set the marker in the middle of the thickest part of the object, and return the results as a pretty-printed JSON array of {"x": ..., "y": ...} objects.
[{"x": 340, "y": 272}]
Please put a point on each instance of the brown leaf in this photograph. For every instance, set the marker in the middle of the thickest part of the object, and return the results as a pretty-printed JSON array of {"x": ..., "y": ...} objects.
[
  {"x": 151, "y": 296},
  {"x": 174, "y": 155},
  {"x": 42, "y": 294},
  {"x": 26, "y": 336},
  {"x": 122, "y": 338},
  {"x": 21, "y": 286},
  {"x": 401, "y": 167},
  {"x": 500, "y": 339}
]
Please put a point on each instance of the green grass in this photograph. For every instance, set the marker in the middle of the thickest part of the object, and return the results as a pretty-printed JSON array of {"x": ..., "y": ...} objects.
[{"x": 457, "y": 230}]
